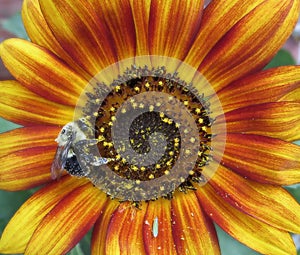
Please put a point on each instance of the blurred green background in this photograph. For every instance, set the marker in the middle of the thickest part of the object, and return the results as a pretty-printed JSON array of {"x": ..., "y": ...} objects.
[{"x": 11, "y": 26}]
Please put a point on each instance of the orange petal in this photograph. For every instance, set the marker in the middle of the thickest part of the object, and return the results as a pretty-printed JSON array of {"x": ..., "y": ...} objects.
[
  {"x": 278, "y": 120},
  {"x": 263, "y": 87},
  {"x": 218, "y": 18},
  {"x": 118, "y": 18},
  {"x": 270, "y": 204},
  {"x": 249, "y": 231},
  {"x": 140, "y": 14},
  {"x": 26, "y": 156},
  {"x": 21, "y": 106},
  {"x": 101, "y": 228},
  {"x": 251, "y": 43},
  {"x": 78, "y": 29},
  {"x": 125, "y": 231},
  {"x": 193, "y": 231},
  {"x": 27, "y": 137},
  {"x": 173, "y": 26},
  {"x": 41, "y": 71},
  {"x": 40, "y": 33},
  {"x": 63, "y": 227},
  {"x": 163, "y": 243},
  {"x": 21, "y": 227},
  {"x": 262, "y": 159}
]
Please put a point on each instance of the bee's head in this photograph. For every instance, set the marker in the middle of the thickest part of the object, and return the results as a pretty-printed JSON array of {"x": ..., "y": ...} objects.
[{"x": 65, "y": 134}]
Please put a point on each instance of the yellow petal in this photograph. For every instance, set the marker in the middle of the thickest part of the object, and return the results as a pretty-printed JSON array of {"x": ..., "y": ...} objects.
[
  {"x": 19, "y": 230},
  {"x": 173, "y": 26},
  {"x": 250, "y": 231},
  {"x": 125, "y": 231},
  {"x": 63, "y": 227},
  {"x": 251, "y": 43},
  {"x": 193, "y": 231},
  {"x": 78, "y": 29},
  {"x": 22, "y": 106},
  {"x": 263, "y": 87},
  {"x": 262, "y": 159},
  {"x": 270, "y": 204},
  {"x": 42, "y": 72},
  {"x": 40, "y": 33},
  {"x": 279, "y": 120}
]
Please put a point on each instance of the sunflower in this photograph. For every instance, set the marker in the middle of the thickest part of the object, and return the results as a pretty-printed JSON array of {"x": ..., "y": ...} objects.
[{"x": 165, "y": 123}]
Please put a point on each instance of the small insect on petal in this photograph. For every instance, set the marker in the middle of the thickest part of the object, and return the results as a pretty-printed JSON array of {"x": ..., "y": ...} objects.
[{"x": 155, "y": 227}]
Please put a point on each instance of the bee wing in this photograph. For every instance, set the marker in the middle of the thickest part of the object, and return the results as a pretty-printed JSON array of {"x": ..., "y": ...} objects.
[{"x": 60, "y": 159}]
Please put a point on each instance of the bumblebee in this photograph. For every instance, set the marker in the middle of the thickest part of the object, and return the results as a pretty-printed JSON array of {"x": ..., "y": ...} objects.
[{"x": 74, "y": 142}]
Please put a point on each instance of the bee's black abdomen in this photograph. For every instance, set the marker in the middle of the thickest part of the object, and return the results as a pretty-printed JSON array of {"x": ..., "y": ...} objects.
[{"x": 73, "y": 168}]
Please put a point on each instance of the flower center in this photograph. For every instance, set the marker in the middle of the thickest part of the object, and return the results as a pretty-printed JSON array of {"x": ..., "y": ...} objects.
[{"x": 154, "y": 128}]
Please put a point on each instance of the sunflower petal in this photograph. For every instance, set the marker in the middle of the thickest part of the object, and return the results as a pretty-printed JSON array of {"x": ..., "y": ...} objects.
[
  {"x": 263, "y": 87},
  {"x": 40, "y": 33},
  {"x": 270, "y": 204},
  {"x": 218, "y": 18},
  {"x": 125, "y": 231},
  {"x": 17, "y": 233},
  {"x": 251, "y": 43},
  {"x": 21, "y": 106},
  {"x": 41, "y": 71},
  {"x": 163, "y": 243},
  {"x": 193, "y": 231},
  {"x": 80, "y": 33},
  {"x": 21, "y": 152},
  {"x": 101, "y": 228},
  {"x": 172, "y": 26},
  {"x": 253, "y": 233},
  {"x": 140, "y": 14},
  {"x": 276, "y": 119},
  {"x": 262, "y": 159},
  {"x": 70, "y": 219}
]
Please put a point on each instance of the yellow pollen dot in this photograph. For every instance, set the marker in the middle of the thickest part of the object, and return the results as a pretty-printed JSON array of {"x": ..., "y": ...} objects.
[
  {"x": 176, "y": 144},
  {"x": 170, "y": 121},
  {"x": 186, "y": 103},
  {"x": 101, "y": 138},
  {"x": 147, "y": 85},
  {"x": 191, "y": 172},
  {"x": 138, "y": 181},
  {"x": 198, "y": 110},
  {"x": 117, "y": 88},
  {"x": 157, "y": 166},
  {"x": 151, "y": 176},
  {"x": 118, "y": 156},
  {"x": 186, "y": 131},
  {"x": 177, "y": 125},
  {"x": 170, "y": 98},
  {"x": 137, "y": 89},
  {"x": 123, "y": 110},
  {"x": 162, "y": 188},
  {"x": 141, "y": 105},
  {"x": 200, "y": 153},
  {"x": 169, "y": 163},
  {"x": 160, "y": 83},
  {"x": 161, "y": 114},
  {"x": 192, "y": 140},
  {"x": 102, "y": 129},
  {"x": 182, "y": 179},
  {"x": 167, "y": 172},
  {"x": 134, "y": 105},
  {"x": 166, "y": 120},
  {"x": 188, "y": 152},
  {"x": 143, "y": 168},
  {"x": 113, "y": 118},
  {"x": 151, "y": 108},
  {"x": 200, "y": 120},
  {"x": 123, "y": 160},
  {"x": 112, "y": 109},
  {"x": 95, "y": 114},
  {"x": 158, "y": 104},
  {"x": 171, "y": 153},
  {"x": 134, "y": 168},
  {"x": 116, "y": 168},
  {"x": 110, "y": 123},
  {"x": 176, "y": 140},
  {"x": 204, "y": 128}
]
